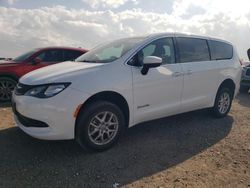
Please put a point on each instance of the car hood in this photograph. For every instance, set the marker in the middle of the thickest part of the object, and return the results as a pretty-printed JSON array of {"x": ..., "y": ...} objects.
[
  {"x": 62, "y": 72},
  {"x": 4, "y": 63}
]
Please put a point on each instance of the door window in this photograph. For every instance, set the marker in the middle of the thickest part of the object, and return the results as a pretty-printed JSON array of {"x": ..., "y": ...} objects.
[
  {"x": 192, "y": 49},
  {"x": 70, "y": 55},
  {"x": 51, "y": 56},
  {"x": 163, "y": 48}
]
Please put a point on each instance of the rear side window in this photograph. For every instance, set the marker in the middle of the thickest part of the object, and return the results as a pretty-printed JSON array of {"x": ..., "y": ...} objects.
[
  {"x": 192, "y": 49},
  {"x": 220, "y": 50}
]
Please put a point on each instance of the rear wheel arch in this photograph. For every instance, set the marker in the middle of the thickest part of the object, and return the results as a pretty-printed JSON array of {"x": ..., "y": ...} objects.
[
  {"x": 109, "y": 96},
  {"x": 228, "y": 83}
]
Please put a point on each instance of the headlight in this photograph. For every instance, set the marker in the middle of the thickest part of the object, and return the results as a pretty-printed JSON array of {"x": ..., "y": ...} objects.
[{"x": 46, "y": 91}]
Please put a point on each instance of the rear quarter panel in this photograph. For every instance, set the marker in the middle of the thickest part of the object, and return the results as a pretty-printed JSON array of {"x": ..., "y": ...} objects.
[{"x": 230, "y": 69}]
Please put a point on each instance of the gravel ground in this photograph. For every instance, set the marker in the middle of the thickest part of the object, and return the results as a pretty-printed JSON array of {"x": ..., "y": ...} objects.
[{"x": 188, "y": 150}]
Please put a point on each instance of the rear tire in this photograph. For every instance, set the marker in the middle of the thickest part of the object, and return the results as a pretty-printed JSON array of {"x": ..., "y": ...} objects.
[
  {"x": 244, "y": 89},
  {"x": 223, "y": 102},
  {"x": 99, "y": 126},
  {"x": 7, "y": 86}
]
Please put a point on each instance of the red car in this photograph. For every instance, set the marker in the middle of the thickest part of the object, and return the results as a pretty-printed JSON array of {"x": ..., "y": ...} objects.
[{"x": 12, "y": 70}]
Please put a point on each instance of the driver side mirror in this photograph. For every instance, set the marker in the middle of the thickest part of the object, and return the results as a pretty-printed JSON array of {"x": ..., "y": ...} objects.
[
  {"x": 150, "y": 62},
  {"x": 36, "y": 61}
]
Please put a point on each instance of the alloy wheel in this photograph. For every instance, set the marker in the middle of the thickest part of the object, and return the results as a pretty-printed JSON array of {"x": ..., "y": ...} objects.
[
  {"x": 6, "y": 88},
  {"x": 103, "y": 128},
  {"x": 224, "y": 103}
]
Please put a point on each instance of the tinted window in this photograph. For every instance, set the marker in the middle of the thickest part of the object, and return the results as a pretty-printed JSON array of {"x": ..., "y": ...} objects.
[
  {"x": 163, "y": 48},
  {"x": 51, "y": 56},
  {"x": 24, "y": 56},
  {"x": 70, "y": 55},
  {"x": 192, "y": 49},
  {"x": 220, "y": 50}
]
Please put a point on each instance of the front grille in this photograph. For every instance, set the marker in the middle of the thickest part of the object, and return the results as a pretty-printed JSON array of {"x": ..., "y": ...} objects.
[
  {"x": 21, "y": 89},
  {"x": 27, "y": 122},
  {"x": 245, "y": 82},
  {"x": 248, "y": 72}
]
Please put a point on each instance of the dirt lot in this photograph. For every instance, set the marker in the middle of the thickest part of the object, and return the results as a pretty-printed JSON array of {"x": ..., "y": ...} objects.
[{"x": 188, "y": 150}]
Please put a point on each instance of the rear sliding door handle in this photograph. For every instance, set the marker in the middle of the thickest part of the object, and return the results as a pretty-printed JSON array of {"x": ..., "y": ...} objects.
[{"x": 177, "y": 74}]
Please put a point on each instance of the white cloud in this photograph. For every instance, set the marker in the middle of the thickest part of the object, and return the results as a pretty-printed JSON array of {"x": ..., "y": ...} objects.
[
  {"x": 22, "y": 30},
  {"x": 234, "y": 8},
  {"x": 107, "y": 3},
  {"x": 11, "y": 2}
]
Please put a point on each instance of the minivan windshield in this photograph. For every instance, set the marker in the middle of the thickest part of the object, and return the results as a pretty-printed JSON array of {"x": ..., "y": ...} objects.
[
  {"x": 110, "y": 51},
  {"x": 24, "y": 56}
]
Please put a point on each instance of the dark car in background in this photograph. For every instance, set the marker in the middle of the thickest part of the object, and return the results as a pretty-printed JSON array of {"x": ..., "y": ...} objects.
[
  {"x": 12, "y": 70},
  {"x": 245, "y": 80},
  {"x": 2, "y": 58}
]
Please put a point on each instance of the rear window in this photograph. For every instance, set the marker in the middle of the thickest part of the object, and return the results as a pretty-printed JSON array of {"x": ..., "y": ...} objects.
[
  {"x": 220, "y": 50},
  {"x": 192, "y": 49}
]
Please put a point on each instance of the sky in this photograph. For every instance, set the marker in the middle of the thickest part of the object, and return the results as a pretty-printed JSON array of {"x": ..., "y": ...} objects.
[{"x": 28, "y": 24}]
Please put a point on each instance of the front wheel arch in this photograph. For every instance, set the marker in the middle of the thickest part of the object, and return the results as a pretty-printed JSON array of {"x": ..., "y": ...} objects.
[
  {"x": 9, "y": 75},
  {"x": 109, "y": 96},
  {"x": 84, "y": 123}
]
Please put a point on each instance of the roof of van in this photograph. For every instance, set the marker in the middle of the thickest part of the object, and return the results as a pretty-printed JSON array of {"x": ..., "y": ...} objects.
[{"x": 155, "y": 35}]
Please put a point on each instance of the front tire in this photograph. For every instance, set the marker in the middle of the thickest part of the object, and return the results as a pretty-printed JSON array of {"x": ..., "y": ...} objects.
[
  {"x": 223, "y": 102},
  {"x": 99, "y": 126},
  {"x": 7, "y": 86}
]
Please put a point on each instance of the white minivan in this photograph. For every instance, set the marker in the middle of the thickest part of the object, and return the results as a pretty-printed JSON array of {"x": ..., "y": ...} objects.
[{"x": 125, "y": 82}]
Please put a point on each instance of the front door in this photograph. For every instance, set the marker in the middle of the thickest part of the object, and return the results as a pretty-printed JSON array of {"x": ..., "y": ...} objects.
[{"x": 158, "y": 93}]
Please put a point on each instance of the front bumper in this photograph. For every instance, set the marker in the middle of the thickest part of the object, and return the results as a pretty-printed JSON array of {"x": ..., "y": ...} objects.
[
  {"x": 245, "y": 80},
  {"x": 33, "y": 114}
]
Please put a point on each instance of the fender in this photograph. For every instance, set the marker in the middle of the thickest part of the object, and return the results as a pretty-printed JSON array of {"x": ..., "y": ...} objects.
[{"x": 9, "y": 75}]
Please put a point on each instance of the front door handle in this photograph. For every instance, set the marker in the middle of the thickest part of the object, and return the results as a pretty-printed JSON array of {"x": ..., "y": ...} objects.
[{"x": 177, "y": 74}]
